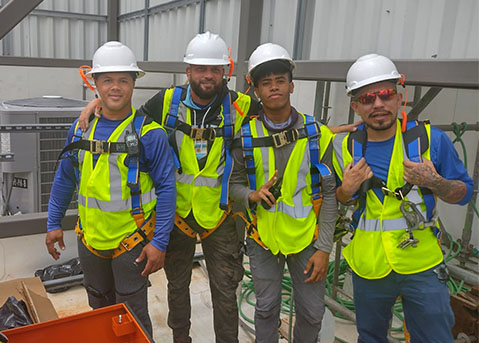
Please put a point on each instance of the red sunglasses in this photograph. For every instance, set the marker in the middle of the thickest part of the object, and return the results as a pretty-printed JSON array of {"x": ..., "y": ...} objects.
[{"x": 369, "y": 98}]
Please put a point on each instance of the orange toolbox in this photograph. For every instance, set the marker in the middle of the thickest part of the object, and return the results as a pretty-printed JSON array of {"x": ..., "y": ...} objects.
[{"x": 112, "y": 324}]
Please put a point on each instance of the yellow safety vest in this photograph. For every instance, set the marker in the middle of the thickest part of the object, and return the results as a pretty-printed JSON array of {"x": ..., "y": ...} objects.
[
  {"x": 104, "y": 199},
  {"x": 200, "y": 190},
  {"x": 374, "y": 252},
  {"x": 288, "y": 227}
]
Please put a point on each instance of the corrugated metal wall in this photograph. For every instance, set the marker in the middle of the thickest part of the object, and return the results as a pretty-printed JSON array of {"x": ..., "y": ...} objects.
[
  {"x": 39, "y": 35},
  {"x": 340, "y": 29}
]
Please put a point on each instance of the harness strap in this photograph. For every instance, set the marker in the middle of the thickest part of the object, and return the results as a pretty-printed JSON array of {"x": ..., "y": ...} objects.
[
  {"x": 209, "y": 133},
  {"x": 143, "y": 233},
  {"x": 416, "y": 143},
  {"x": 282, "y": 138},
  {"x": 252, "y": 231},
  {"x": 311, "y": 130},
  {"x": 247, "y": 143},
  {"x": 133, "y": 163},
  {"x": 187, "y": 230},
  {"x": 96, "y": 146},
  {"x": 228, "y": 137},
  {"x": 76, "y": 137},
  {"x": 170, "y": 125}
]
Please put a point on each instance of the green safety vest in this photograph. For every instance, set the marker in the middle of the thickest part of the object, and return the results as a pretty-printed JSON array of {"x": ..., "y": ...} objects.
[
  {"x": 374, "y": 252},
  {"x": 288, "y": 227},
  {"x": 104, "y": 199},
  {"x": 199, "y": 191}
]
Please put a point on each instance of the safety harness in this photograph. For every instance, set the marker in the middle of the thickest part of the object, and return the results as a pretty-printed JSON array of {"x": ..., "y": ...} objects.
[
  {"x": 312, "y": 132},
  {"x": 131, "y": 146},
  {"x": 416, "y": 142},
  {"x": 172, "y": 124}
]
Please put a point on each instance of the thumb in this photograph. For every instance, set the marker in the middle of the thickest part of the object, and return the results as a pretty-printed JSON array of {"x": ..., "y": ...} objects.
[
  {"x": 142, "y": 256},
  {"x": 308, "y": 266},
  {"x": 61, "y": 244}
]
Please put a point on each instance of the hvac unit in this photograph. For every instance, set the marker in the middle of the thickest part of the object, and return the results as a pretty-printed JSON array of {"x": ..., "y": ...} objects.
[{"x": 28, "y": 179}]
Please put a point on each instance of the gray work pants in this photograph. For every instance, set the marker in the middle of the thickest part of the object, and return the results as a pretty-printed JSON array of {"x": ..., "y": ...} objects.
[
  {"x": 224, "y": 262},
  {"x": 267, "y": 273},
  {"x": 114, "y": 281}
]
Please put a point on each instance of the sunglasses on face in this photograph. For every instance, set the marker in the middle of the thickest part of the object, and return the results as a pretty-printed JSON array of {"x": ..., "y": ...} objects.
[{"x": 369, "y": 98}]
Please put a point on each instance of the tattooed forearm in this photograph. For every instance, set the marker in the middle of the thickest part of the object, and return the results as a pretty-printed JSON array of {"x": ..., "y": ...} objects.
[
  {"x": 451, "y": 191},
  {"x": 425, "y": 175}
]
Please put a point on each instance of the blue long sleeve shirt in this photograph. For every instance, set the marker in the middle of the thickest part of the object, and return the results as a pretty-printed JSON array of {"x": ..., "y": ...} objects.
[
  {"x": 155, "y": 159},
  {"x": 443, "y": 155}
]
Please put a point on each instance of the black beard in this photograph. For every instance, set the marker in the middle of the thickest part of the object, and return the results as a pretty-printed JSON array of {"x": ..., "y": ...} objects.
[
  {"x": 205, "y": 95},
  {"x": 380, "y": 127}
]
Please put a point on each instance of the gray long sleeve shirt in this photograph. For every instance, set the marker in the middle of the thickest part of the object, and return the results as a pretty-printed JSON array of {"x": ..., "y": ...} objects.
[{"x": 239, "y": 189}]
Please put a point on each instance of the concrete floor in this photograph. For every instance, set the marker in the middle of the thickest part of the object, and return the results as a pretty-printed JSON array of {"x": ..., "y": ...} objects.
[{"x": 74, "y": 301}]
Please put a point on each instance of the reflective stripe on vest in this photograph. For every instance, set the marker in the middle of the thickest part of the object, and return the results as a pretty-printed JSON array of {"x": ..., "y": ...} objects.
[
  {"x": 373, "y": 251},
  {"x": 105, "y": 199},
  {"x": 289, "y": 226}
]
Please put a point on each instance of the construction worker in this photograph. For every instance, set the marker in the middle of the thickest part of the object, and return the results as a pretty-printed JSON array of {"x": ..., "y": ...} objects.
[
  {"x": 283, "y": 169},
  {"x": 126, "y": 190},
  {"x": 394, "y": 172},
  {"x": 201, "y": 119}
]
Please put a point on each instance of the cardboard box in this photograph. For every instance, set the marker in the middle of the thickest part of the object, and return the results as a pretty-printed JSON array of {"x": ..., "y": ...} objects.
[{"x": 32, "y": 292}]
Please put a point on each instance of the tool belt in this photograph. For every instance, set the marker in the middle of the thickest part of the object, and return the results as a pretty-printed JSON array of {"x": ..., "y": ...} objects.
[
  {"x": 252, "y": 231},
  {"x": 143, "y": 233},
  {"x": 187, "y": 230}
]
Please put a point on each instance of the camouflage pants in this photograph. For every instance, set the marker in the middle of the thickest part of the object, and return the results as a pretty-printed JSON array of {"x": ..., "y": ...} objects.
[{"x": 222, "y": 252}]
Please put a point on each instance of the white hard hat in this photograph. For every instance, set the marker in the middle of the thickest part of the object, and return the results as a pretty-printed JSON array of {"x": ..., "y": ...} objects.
[
  {"x": 207, "y": 49},
  {"x": 268, "y": 52},
  {"x": 114, "y": 57},
  {"x": 370, "y": 69}
]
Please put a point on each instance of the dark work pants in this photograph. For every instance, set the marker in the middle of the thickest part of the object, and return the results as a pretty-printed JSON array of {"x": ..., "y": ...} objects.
[
  {"x": 114, "y": 281},
  {"x": 267, "y": 271},
  {"x": 427, "y": 312},
  {"x": 224, "y": 262}
]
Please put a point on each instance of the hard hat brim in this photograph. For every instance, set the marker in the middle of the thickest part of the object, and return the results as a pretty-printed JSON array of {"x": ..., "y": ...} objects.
[{"x": 114, "y": 69}]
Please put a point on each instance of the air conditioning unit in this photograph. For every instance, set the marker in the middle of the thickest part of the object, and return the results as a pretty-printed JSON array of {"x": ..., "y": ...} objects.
[{"x": 27, "y": 180}]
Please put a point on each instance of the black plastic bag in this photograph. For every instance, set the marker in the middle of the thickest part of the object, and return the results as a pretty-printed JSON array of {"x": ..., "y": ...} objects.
[
  {"x": 13, "y": 314},
  {"x": 58, "y": 271}
]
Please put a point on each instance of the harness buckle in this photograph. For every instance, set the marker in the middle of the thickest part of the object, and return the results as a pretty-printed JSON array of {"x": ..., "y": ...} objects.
[
  {"x": 388, "y": 192},
  {"x": 96, "y": 147},
  {"x": 211, "y": 134},
  {"x": 197, "y": 133},
  {"x": 280, "y": 139},
  {"x": 294, "y": 135}
]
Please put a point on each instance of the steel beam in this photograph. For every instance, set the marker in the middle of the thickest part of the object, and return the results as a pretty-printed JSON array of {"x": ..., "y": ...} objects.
[
  {"x": 431, "y": 73},
  {"x": 112, "y": 20},
  {"x": 32, "y": 223},
  {"x": 251, "y": 12},
  {"x": 13, "y": 13},
  {"x": 422, "y": 103},
  {"x": 69, "y": 15},
  {"x": 299, "y": 30},
  {"x": 146, "y": 34},
  {"x": 461, "y": 73},
  {"x": 163, "y": 67},
  {"x": 201, "y": 27},
  {"x": 42, "y": 62}
]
